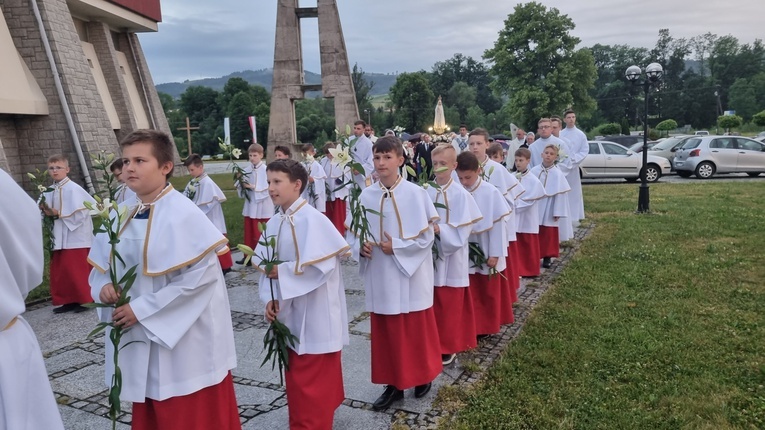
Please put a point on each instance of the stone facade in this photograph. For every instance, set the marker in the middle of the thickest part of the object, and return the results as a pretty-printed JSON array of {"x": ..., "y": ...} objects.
[
  {"x": 289, "y": 80},
  {"x": 27, "y": 140}
]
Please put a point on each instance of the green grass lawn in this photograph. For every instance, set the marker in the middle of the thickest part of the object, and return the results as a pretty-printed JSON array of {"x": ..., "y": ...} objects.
[
  {"x": 232, "y": 210},
  {"x": 658, "y": 322}
]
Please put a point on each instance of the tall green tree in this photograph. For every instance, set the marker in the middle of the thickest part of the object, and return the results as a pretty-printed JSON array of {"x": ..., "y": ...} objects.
[
  {"x": 413, "y": 101},
  {"x": 462, "y": 96},
  {"x": 536, "y": 64},
  {"x": 461, "y": 68},
  {"x": 362, "y": 87},
  {"x": 242, "y": 106},
  {"x": 201, "y": 106}
]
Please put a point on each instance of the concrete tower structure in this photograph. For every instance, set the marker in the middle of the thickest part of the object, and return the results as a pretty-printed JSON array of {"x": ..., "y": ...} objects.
[
  {"x": 289, "y": 78},
  {"x": 74, "y": 81}
]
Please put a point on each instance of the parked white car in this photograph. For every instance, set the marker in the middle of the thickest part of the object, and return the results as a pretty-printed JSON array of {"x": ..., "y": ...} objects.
[{"x": 611, "y": 160}]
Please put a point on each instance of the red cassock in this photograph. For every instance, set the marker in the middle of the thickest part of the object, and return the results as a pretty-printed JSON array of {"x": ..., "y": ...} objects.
[
  {"x": 455, "y": 319},
  {"x": 529, "y": 255},
  {"x": 213, "y": 407},
  {"x": 314, "y": 389},
  {"x": 510, "y": 284},
  {"x": 487, "y": 302},
  {"x": 226, "y": 262},
  {"x": 405, "y": 358},
  {"x": 549, "y": 243},
  {"x": 69, "y": 270},
  {"x": 336, "y": 212},
  {"x": 251, "y": 232}
]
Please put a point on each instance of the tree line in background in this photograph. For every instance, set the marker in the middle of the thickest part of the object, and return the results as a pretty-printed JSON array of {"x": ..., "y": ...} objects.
[{"x": 528, "y": 73}]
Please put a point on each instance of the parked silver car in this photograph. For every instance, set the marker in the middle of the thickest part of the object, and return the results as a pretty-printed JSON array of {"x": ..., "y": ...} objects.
[
  {"x": 707, "y": 155},
  {"x": 611, "y": 160},
  {"x": 667, "y": 147}
]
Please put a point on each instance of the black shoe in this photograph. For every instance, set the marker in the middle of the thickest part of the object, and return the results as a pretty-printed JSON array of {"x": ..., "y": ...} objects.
[
  {"x": 240, "y": 262},
  {"x": 69, "y": 307},
  {"x": 225, "y": 271},
  {"x": 390, "y": 395},
  {"x": 422, "y": 390},
  {"x": 546, "y": 262},
  {"x": 481, "y": 337},
  {"x": 79, "y": 309},
  {"x": 447, "y": 359}
]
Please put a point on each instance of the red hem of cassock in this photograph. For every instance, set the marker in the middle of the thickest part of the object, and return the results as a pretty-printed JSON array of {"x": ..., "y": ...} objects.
[
  {"x": 406, "y": 351},
  {"x": 314, "y": 389},
  {"x": 487, "y": 300},
  {"x": 528, "y": 261},
  {"x": 336, "y": 213},
  {"x": 455, "y": 319},
  {"x": 549, "y": 244},
  {"x": 212, "y": 407},
  {"x": 510, "y": 286},
  {"x": 226, "y": 262},
  {"x": 69, "y": 271},
  {"x": 251, "y": 232}
]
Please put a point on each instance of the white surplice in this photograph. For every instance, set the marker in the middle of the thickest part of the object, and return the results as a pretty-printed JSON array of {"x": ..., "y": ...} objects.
[
  {"x": 184, "y": 334},
  {"x": 527, "y": 206},
  {"x": 208, "y": 197},
  {"x": 578, "y": 148},
  {"x": 498, "y": 175},
  {"x": 259, "y": 204},
  {"x": 336, "y": 177},
  {"x": 455, "y": 225},
  {"x": 490, "y": 233},
  {"x": 402, "y": 282},
  {"x": 125, "y": 195},
  {"x": 539, "y": 146},
  {"x": 26, "y": 398},
  {"x": 362, "y": 153},
  {"x": 310, "y": 285},
  {"x": 73, "y": 228},
  {"x": 555, "y": 203},
  {"x": 319, "y": 200}
]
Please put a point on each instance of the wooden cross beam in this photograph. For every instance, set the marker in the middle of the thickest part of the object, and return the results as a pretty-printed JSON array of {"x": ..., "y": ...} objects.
[{"x": 188, "y": 129}]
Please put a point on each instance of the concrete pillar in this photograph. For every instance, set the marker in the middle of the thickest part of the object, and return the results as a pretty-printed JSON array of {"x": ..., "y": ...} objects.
[{"x": 289, "y": 83}]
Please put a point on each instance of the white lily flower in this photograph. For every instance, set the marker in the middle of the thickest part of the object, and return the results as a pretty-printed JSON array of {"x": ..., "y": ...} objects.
[
  {"x": 340, "y": 156},
  {"x": 31, "y": 176},
  {"x": 309, "y": 159},
  {"x": 41, "y": 188},
  {"x": 236, "y": 152}
]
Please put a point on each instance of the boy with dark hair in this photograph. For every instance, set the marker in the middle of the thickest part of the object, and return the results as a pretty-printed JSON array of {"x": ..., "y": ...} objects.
[
  {"x": 72, "y": 237},
  {"x": 282, "y": 152},
  {"x": 527, "y": 209},
  {"x": 316, "y": 189},
  {"x": 398, "y": 278},
  {"x": 554, "y": 206},
  {"x": 208, "y": 197},
  {"x": 508, "y": 185},
  {"x": 497, "y": 153},
  {"x": 336, "y": 178},
  {"x": 362, "y": 154},
  {"x": 258, "y": 207},
  {"x": 453, "y": 304},
  {"x": 309, "y": 297},
  {"x": 123, "y": 194},
  {"x": 177, "y": 368},
  {"x": 491, "y": 236}
]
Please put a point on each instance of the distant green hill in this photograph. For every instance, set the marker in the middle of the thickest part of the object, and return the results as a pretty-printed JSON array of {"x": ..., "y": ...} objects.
[{"x": 264, "y": 77}]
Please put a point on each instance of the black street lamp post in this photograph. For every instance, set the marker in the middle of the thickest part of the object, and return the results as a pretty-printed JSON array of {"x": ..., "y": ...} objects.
[{"x": 653, "y": 74}]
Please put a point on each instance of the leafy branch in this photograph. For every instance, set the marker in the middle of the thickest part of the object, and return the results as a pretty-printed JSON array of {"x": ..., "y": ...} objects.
[
  {"x": 39, "y": 180},
  {"x": 239, "y": 174},
  {"x": 478, "y": 258}
]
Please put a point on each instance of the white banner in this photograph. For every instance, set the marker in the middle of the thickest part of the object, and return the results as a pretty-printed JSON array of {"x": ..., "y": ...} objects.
[
  {"x": 227, "y": 131},
  {"x": 253, "y": 128}
]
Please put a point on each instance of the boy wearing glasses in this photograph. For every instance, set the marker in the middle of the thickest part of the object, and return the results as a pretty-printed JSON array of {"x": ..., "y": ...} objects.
[{"x": 72, "y": 235}]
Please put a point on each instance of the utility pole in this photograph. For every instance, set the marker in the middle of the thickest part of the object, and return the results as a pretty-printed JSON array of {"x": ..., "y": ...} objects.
[{"x": 188, "y": 129}]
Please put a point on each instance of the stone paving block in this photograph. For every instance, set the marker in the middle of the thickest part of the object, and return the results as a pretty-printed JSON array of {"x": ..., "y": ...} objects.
[
  {"x": 55, "y": 331},
  {"x": 70, "y": 359},
  {"x": 248, "y": 395},
  {"x": 364, "y": 326},
  {"x": 75, "y": 419},
  {"x": 249, "y": 355},
  {"x": 81, "y": 384},
  {"x": 348, "y": 418},
  {"x": 245, "y": 299},
  {"x": 274, "y": 420}
]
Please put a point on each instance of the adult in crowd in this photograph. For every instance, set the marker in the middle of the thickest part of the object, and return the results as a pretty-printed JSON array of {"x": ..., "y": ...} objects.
[
  {"x": 422, "y": 154},
  {"x": 362, "y": 153},
  {"x": 369, "y": 132},
  {"x": 545, "y": 138},
  {"x": 578, "y": 150},
  {"x": 460, "y": 141}
]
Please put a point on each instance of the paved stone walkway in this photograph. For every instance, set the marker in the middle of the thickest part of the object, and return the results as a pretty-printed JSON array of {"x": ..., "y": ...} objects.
[{"x": 76, "y": 364}]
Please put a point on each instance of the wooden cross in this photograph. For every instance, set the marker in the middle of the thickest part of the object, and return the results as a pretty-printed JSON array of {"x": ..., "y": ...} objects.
[{"x": 188, "y": 129}]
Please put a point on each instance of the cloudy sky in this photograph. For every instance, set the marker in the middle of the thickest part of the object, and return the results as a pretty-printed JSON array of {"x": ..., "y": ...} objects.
[{"x": 203, "y": 38}]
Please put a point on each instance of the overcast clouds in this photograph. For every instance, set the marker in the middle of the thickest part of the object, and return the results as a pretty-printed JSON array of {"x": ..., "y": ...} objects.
[{"x": 203, "y": 38}]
